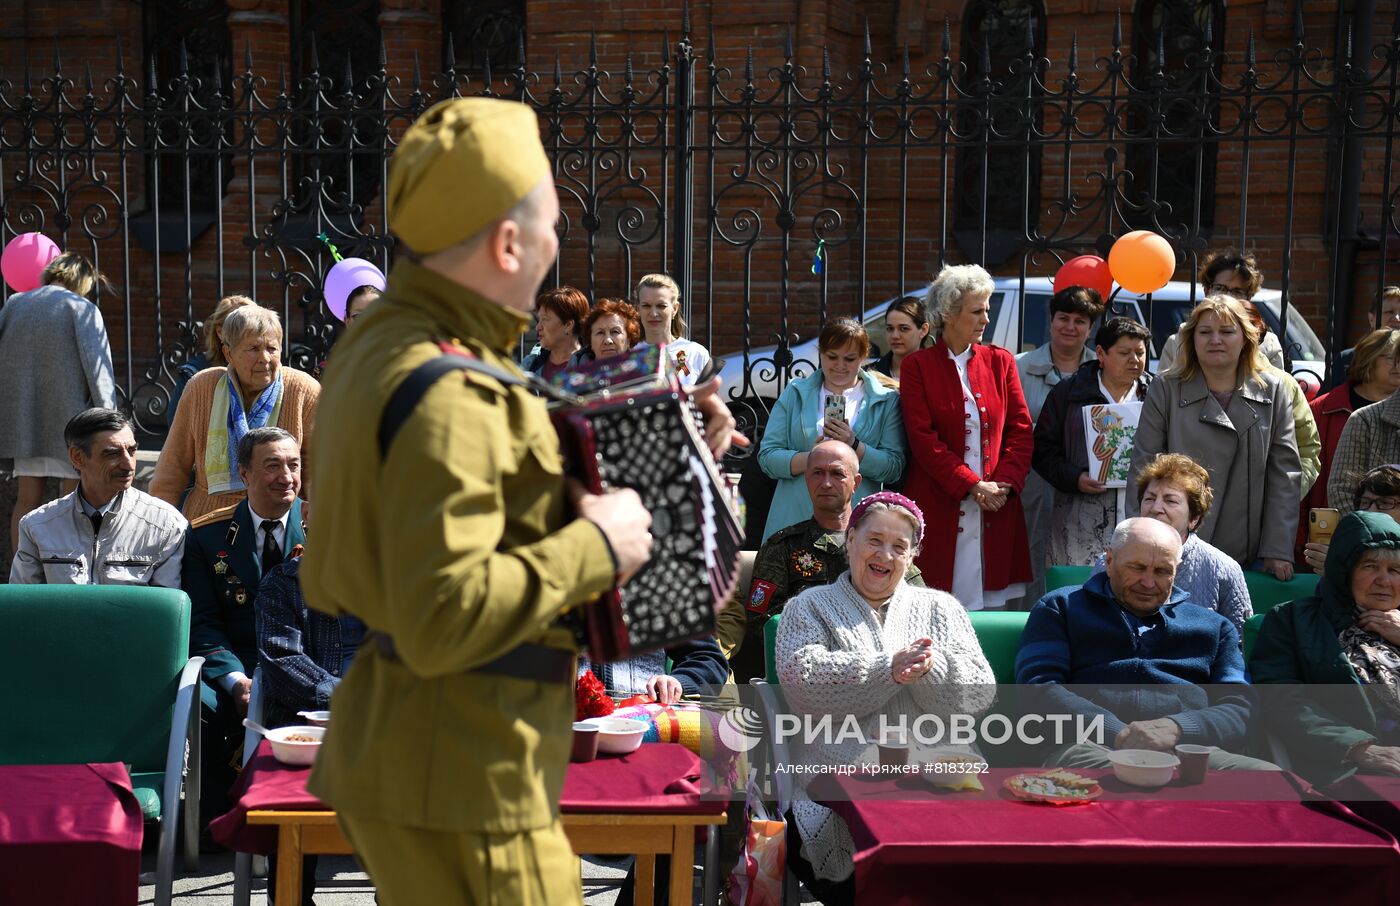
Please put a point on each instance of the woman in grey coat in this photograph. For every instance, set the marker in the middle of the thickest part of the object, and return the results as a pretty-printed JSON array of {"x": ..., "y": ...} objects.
[
  {"x": 1219, "y": 406},
  {"x": 54, "y": 363}
]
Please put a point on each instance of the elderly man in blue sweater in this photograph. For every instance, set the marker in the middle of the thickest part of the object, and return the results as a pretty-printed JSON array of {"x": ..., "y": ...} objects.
[{"x": 1158, "y": 669}]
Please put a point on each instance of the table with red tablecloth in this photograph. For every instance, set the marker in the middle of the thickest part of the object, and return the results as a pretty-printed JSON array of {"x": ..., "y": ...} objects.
[
  {"x": 1242, "y": 837},
  {"x": 69, "y": 833},
  {"x": 647, "y": 803}
]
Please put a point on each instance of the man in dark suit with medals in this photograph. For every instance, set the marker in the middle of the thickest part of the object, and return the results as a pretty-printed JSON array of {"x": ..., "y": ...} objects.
[{"x": 227, "y": 552}]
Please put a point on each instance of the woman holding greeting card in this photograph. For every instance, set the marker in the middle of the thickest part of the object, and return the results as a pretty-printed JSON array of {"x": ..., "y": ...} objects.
[{"x": 1086, "y": 507}]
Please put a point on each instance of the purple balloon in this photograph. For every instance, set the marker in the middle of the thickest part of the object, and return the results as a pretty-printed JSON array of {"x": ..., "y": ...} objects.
[
  {"x": 24, "y": 259},
  {"x": 346, "y": 276}
]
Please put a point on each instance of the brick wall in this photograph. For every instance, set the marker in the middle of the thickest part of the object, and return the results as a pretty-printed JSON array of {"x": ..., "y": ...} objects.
[{"x": 863, "y": 266}]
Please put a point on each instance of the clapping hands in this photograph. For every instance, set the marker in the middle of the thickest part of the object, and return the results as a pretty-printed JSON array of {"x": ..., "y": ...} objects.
[{"x": 912, "y": 662}]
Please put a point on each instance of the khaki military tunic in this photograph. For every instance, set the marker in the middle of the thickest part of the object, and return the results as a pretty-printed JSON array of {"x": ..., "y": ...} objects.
[{"x": 457, "y": 546}]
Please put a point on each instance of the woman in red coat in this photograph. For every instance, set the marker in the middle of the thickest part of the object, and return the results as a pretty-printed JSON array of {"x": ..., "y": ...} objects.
[
  {"x": 1373, "y": 376},
  {"x": 970, "y": 437}
]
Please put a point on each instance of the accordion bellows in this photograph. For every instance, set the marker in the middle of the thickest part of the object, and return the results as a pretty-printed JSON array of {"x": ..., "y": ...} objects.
[{"x": 634, "y": 427}]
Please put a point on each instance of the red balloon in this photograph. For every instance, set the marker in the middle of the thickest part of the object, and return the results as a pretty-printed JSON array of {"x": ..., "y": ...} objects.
[{"x": 1086, "y": 270}]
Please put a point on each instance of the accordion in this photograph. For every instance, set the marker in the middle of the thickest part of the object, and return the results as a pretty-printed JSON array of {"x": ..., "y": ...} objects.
[{"x": 629, "y": 424}]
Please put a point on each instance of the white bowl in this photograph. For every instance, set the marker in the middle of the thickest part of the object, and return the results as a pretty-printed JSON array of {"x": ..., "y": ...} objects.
[
  {"x": 617, "y": 735},
  {"x": 294, "y": 752},
  {"x": 1143, "y": 767},
  {"x": 316, "y": 718}
]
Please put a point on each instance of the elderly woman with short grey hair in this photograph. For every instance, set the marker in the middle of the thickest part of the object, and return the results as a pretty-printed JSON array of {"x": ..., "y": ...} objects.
[
  {"x": 874, "y": 647},
  {"x": 220, "y": 405},
  {"x": 970, "y": 437}
]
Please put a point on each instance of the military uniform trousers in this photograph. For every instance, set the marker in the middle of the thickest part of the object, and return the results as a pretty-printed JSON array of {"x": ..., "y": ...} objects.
[{"x": 415, "y": 866}]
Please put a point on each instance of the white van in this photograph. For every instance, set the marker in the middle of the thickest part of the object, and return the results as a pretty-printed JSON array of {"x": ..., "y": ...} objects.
[{"x": 1020, "y": 327}]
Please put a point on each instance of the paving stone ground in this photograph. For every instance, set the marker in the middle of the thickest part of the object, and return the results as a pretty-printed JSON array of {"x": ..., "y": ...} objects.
[{"x": 339, "y": 882}]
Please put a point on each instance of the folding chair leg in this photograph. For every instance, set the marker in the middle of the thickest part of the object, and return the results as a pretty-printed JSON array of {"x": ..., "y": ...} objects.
[
  {"x": 190, "y": 824},
  {"x": 180, "y": 785},
  {"x": 791, "y": 888},
  {"x": 710, "y": 878},
  {"x": 165, "y": 860},
  {"x": 242, "y": 879}
]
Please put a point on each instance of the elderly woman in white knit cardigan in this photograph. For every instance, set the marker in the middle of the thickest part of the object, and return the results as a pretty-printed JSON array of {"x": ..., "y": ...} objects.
[{"x": 873, "y": 646}]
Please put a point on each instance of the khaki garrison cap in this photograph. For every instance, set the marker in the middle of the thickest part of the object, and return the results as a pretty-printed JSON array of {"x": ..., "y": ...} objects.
[{"x": 461, "y": 166}]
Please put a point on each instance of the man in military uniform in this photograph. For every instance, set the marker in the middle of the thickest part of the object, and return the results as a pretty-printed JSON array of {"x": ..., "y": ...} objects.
[
  {"x": 451, "y": 537},
  {"x": 226, "y": 553},
  {"x": 812, "y": 552}
]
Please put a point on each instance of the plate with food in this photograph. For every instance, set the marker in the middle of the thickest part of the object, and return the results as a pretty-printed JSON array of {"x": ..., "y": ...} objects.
[{"x": 1057, "y": 787}]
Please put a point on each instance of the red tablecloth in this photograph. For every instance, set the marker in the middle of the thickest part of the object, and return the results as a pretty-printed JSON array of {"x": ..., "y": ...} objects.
[
  {"x": 69, "y": 833},
  {"x": 659, "y": 778},
  {"x": 265, "y": 783},
  {"x": 1374, "y": 798},
  {"x": 1273, "y": 841}
]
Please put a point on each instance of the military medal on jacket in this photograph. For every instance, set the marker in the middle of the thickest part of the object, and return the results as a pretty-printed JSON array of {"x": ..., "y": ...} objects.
[{"x": 806, "y": 563}]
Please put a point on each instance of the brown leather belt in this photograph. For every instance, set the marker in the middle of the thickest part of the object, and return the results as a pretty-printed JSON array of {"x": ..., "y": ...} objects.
[{"x": 534, "y": 663}]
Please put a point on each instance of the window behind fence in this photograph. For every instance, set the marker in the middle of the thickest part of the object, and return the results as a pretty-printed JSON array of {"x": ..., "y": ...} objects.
[
  {"x": 335, "y": 149},
  {"x": 1175, "y": 65},
  {"x": 999, "y": 39},
  {"x": 189, "y": 51}
]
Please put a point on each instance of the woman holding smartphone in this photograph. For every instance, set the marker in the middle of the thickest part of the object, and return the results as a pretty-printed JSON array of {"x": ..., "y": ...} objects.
[
  {"x": 1373, "y": 376},
  {"x": 839, "y": 401}
]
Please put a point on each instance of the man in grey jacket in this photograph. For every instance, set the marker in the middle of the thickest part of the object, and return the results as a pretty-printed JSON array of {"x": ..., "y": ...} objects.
[{"x": 106, "y": 532}]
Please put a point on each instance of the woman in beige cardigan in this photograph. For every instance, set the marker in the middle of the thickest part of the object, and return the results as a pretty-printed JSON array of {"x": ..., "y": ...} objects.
[
  {"x": 1220, "y": 406},
  {"x": 218, "y": 407}
]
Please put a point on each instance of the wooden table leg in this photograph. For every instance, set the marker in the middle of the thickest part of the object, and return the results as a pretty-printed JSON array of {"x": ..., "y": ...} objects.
[
  {"x": 682, "y": 864},
  {"x": 289, "y": 863},
  {"x": 646, "y": 879}
]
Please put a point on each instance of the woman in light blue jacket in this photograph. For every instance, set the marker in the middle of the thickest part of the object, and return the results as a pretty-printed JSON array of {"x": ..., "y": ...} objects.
[{"x": 870, "y": 423}]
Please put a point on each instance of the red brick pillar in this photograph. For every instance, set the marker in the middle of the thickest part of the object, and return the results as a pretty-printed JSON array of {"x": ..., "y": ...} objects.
[
  {"x": 260, "y": 26},
  {"x": 412, "y": 27},
  {"x": 259, "y": 32}
]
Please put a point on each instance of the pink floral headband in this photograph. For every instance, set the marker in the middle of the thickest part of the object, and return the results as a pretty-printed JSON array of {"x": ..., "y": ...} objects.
[{"x": 893, "y": 499}]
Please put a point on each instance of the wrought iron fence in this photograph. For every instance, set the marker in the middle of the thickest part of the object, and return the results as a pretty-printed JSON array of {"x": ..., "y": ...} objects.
[{"x": 219, "y": 179}]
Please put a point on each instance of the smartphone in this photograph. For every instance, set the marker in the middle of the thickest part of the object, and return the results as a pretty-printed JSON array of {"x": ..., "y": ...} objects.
[
  {"x": 1322, "y": 522},
  {"x": 835, "y": 407}
]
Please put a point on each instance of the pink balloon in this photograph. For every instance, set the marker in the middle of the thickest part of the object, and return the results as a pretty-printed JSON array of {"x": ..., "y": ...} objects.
[
  {"x": 24, "y": 259},
  {"x": 346, "y": 276}
]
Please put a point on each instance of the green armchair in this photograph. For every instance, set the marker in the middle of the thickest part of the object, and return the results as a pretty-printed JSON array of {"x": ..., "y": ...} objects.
[{"x": 106, "y": 676}]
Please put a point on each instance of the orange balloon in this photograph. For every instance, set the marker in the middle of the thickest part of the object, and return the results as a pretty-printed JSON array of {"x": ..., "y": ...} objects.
[{"x": 1141, "y": 261}]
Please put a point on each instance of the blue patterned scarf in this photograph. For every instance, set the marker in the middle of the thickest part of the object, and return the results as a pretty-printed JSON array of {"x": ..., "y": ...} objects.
[{"x": 239, "y": 422}]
